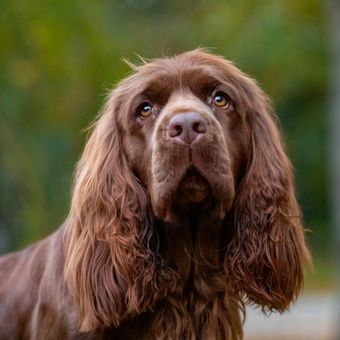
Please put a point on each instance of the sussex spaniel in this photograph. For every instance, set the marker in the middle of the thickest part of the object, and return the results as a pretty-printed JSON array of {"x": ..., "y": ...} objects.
[{"x": 183, "y": 211}]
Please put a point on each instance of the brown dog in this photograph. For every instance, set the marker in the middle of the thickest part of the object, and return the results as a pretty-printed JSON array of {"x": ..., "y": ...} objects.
[{"x": 183, "y": 210}]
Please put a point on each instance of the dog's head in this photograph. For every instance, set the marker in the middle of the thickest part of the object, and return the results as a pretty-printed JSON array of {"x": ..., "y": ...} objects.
[{"x": 186, "y": 132}]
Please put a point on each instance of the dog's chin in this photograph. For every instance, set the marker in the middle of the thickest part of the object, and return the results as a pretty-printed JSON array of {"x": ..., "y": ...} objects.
[
  {"x": 196, "y": 179},
  {"x": 193, "y": 188}
]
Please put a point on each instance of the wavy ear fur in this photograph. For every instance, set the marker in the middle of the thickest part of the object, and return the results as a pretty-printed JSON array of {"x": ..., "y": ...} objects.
[
  {"x": 110, "y": 269},
  {"x": 267, "y": 252}
]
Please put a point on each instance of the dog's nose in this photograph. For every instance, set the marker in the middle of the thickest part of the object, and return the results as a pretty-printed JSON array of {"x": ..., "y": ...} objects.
[{"x": 186, "y": 127}]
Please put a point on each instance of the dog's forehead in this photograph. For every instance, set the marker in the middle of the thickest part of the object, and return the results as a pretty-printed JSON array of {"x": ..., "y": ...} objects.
[
  {"x": 193, "y": 77},
  {"x": 166, "y": 76},
  {"x": 192, "y": 69}
]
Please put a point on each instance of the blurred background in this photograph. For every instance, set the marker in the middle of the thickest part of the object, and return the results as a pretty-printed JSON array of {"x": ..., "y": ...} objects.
[{"x": 59, "y": 58}]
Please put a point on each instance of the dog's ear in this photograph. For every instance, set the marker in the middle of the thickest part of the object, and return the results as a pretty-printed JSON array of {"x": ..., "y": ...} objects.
[
  {"x": 266, "y": 255},
  {"x": 110, "y": 269}
]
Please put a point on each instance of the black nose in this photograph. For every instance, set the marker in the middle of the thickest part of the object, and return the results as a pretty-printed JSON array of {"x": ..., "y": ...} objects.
[{"x": 186, "y": 127}]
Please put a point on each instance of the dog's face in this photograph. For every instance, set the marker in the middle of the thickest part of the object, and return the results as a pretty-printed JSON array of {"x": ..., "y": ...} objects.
[{"x": 186, "y": 134}]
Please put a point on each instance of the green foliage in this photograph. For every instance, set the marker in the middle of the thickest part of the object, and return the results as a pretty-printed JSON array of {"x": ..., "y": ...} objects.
[{"x": 58, "y": 58}]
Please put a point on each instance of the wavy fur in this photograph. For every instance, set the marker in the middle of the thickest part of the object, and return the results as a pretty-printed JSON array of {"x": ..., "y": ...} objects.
[{"x": 110, "y": 270}]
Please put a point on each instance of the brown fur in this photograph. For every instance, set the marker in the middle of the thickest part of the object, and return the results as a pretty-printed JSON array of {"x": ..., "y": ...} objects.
[{"x": 166, "y": 241}]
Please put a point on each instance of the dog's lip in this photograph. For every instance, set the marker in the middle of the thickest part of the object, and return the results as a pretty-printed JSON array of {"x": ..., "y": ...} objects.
[{"x": 179, "y": 141}]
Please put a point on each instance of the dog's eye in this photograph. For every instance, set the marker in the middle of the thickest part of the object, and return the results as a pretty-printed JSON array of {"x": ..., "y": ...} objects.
[
  {"x": 221, "y": 100},
  {"x": 145, "y": 110}
]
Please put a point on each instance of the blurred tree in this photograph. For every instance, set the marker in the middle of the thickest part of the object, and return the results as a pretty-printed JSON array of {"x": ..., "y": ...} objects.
[{"x": 333, "y": 13}]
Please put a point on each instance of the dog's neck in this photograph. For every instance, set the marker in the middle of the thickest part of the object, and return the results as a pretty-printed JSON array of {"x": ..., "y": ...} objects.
[{"x": 191, "y": 243}]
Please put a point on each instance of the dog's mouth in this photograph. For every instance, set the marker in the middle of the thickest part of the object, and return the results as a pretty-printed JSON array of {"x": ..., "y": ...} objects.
[
  {"x": 183, "y": 176},
  {"x": 193, "y": 187}
]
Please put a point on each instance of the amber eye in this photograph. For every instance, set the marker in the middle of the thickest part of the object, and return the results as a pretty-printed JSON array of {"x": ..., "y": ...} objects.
[
  {"x": 221, "y": 100},
  {"x": 145, "y": 110}
]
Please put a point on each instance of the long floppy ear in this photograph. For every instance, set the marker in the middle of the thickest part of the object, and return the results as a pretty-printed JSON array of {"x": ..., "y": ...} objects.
[
  {"x": 266, "y": 254},
  {"x": 110, "y": 269}
]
